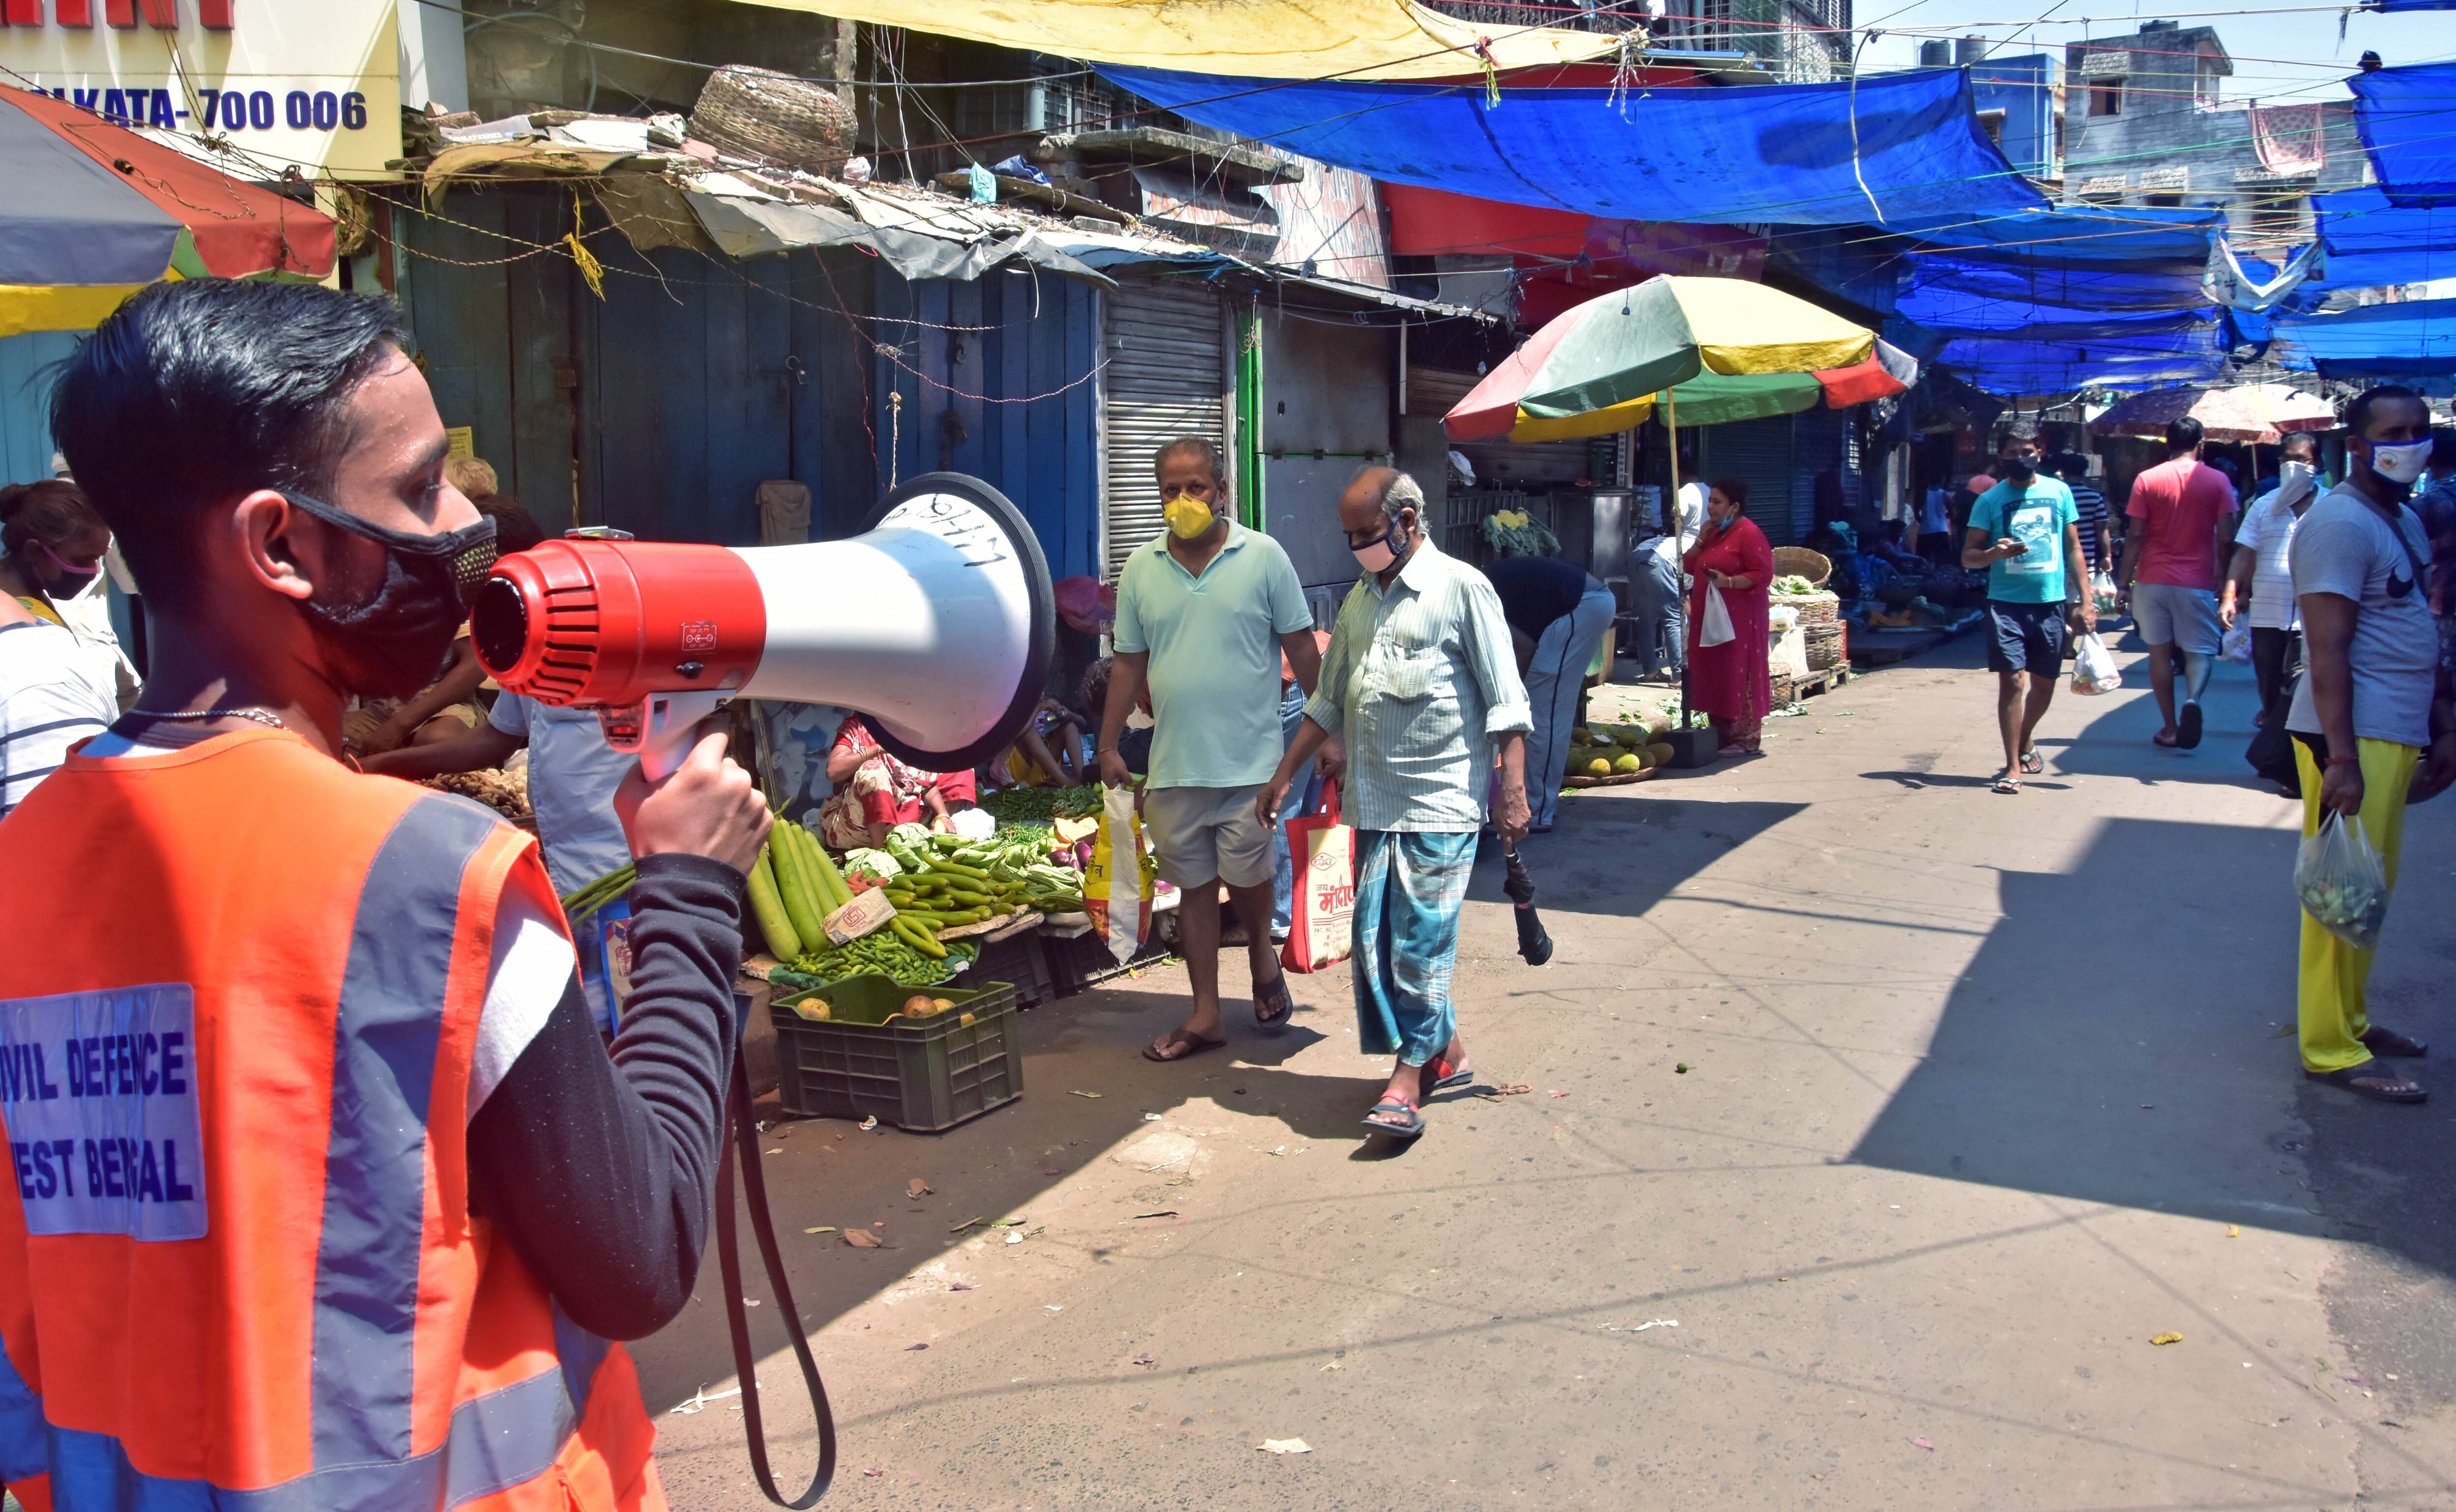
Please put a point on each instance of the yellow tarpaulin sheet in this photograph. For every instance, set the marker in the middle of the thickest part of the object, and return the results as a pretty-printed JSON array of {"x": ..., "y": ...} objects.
[
  {"x": 1258, "y": 39},
  {"x": 60, "y": 307}
]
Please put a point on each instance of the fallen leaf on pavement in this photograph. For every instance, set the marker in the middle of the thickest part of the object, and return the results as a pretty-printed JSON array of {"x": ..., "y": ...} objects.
[
  {"x": 2234, "y": 1230},
  {"x": 861, "y": 1238},
  {"x": 824, "y": 1228},
  {"x": 1285, "y": 1446},
  {"x": 910, "y": 1348},
  {"x": 2167, "y": 1339},
  {"x": 1073, "y": 1093},
  {"x": 917, "y": 1187}
]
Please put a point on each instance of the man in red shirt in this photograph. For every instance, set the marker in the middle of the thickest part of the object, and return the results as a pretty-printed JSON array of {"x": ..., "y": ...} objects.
[{"x": 2173, "y": 555}]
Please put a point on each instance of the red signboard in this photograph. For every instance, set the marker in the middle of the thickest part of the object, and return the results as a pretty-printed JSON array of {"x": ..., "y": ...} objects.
[{"x": 162, "y": 16}]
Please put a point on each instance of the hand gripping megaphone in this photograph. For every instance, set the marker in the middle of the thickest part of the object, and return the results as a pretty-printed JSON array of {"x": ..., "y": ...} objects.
[{"x": 936, "y": 624}]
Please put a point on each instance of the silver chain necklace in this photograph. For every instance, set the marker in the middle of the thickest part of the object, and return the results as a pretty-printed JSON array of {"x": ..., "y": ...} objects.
[{"x": 262, "y": 716}]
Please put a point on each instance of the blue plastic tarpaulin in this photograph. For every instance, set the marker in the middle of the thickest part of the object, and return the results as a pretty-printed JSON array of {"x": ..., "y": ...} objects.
[
  {"x": 2407, "y": 120},
  {"x": 2062, "y": 267},
  {"x": 2370, "y": 242},
  {"x": 2111, "y": 352},
  {"x": 1785, "y": 153},
  {"x": 2413, "y": 339}
]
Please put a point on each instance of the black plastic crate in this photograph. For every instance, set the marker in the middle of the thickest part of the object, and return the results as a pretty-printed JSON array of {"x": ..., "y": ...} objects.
[
  {"x": 1021, "y": 960},
  {"x": 866, "y": 1060}
]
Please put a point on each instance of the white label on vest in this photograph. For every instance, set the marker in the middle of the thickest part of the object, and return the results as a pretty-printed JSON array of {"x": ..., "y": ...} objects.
[{"x": 98, "y": 1093}]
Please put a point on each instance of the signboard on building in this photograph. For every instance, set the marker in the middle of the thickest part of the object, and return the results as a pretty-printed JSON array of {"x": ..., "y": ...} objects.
[{"x": 310, "y": 84}]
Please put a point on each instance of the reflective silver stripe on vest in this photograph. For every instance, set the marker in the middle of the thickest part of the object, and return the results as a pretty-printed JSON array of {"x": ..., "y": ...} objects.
[
  {"x": 503, "y": 1438},
  {"x": 375, "y": 1162}
]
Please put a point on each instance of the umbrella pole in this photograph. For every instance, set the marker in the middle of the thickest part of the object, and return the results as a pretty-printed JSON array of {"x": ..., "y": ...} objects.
[{"x": 1671, "y": 434}]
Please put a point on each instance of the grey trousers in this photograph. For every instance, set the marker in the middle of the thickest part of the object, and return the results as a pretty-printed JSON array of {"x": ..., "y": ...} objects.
[{"x": 1657, "y": 596}]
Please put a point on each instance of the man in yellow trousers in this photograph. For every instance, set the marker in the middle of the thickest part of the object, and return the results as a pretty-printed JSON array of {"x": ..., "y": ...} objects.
[{"x": 2372, "y": 721}]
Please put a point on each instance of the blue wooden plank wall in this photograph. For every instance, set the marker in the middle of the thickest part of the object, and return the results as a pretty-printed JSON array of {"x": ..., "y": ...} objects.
[
  {"x": 660, "y": 407},
  {"x": 995, "y": 381},
  {"x": 25, "y": 426}
]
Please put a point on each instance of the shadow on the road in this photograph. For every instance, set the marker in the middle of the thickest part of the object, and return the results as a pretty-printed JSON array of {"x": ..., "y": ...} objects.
[
  {"x": 2138, "y": 1063},
  {"x": 1916, "y": 780},
  {"x": 1624, "y": 853}
]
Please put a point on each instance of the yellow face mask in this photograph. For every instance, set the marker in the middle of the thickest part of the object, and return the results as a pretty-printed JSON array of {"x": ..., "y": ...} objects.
[{"x": 1189, "y": 517}]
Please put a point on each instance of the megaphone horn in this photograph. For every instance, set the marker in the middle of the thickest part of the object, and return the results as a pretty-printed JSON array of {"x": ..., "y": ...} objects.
[{"x": 936, "y": 624}]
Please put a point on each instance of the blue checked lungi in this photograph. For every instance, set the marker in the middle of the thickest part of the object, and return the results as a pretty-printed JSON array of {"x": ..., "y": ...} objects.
[{"x": 1409, "y": 887}]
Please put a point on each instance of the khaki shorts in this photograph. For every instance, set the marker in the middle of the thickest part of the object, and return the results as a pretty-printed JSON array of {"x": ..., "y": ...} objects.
[{"x": 1204, "y": 835}]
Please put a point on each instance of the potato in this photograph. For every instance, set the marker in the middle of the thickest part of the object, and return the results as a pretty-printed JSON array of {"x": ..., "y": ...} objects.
[
  {"x": 939, "y": 1005},
  {"x": 920, "y": 1005},
  {"x": 812, "y": 1007}
]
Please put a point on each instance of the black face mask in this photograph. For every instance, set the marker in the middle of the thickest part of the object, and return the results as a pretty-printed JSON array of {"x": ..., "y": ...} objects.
[
  {"x": 2021, "y": 468},
  {"x": 397, "y": 641},
  {"x": 66, "y": 583}
]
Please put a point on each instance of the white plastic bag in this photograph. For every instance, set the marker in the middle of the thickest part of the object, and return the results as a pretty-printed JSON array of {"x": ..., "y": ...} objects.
[
  {"x": 2094, "y": 668},
  {"x": 1715, "y": 628},
  {"x": 2236, "y": 644},
  {"x": 1117, "y": 884},
  {"x": 2102, "y": 588},
  {"x": 2342, "y": 882}
]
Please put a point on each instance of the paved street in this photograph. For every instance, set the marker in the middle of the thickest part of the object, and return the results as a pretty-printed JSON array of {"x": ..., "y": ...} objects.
[{"x": 1981, "y": 1095}]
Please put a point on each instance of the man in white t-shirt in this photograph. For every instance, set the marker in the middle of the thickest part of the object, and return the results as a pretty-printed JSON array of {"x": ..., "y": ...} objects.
[
  {"x": 2263, "y": 565},
  {"x": 51, "y": 697}
]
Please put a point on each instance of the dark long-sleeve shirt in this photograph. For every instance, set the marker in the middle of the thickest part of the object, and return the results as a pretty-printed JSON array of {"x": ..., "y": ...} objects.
[{"x": 598, "y": 1169}]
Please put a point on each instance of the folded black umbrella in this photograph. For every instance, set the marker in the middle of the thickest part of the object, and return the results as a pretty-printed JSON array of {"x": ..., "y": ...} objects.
[{"x": 1533, "y": 944}]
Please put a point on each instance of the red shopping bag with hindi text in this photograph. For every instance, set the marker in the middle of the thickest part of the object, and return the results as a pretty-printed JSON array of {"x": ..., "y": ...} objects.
[{"x": 1323, "y": 850}]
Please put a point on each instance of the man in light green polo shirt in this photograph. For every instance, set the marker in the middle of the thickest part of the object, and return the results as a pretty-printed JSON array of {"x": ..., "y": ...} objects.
[{"x": 1204, "y": 612}]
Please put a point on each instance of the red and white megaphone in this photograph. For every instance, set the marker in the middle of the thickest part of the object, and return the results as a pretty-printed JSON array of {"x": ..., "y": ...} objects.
[{"x": 937, "y": 623}]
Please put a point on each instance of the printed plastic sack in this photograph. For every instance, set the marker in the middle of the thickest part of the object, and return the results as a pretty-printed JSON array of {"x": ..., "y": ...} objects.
[
  {"x": 2342, "y": 882},
  {"x": 2094, "y": 668},
  {"x": 1321, "y": 926},
  {"x": 1715, "y": 628},
  {"x": 1117, "y": 884},
  {"x": 2102, "y": 588},
  {"x": 2236, "y": 644}
]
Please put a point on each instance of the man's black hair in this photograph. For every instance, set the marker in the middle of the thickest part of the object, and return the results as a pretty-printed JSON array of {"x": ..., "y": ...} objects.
[
  {"x": 197, "y": 391},
  {"x": 2184, "y": 434},
  {"x": 2358, "y": 412},
  {"x": 2443, "y": 450},
  {"x": 2309, "y": 442},
  {"x": 2018, "y": 433}
]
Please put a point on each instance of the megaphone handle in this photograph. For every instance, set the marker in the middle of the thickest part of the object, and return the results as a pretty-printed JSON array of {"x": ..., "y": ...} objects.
[{"x": 660, "y": 728}]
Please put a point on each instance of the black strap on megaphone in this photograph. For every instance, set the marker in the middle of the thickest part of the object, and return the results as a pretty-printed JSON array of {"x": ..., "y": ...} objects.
[{"x": 728, "y": 1259}]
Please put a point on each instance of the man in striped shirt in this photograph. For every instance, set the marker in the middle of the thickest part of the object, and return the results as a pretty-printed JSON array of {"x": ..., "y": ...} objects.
[
  {"x": 1421, "y": 682},
  {"x": 51, "y": 698}
]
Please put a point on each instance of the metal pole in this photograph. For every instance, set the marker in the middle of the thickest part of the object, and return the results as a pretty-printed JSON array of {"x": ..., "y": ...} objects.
[{"x": 1671, "y": 434}]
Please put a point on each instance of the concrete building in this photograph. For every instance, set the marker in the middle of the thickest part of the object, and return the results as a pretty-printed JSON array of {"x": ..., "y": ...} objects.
[
  {"x": 2019, "y": 97},
  {"x": 2146, "y": 122}
]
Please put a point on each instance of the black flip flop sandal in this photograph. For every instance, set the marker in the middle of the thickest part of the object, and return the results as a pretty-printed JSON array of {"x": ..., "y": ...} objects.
[
  {"x": 1445, "y": 1074},
  {"x": 2388, "y": 1044},
  {"x": 1194, "y": 1045},
  {"x": 1276, "y": 992},
  {"x": 2369, "y": 1080},
  {"x": 1394, "y": 1101},
  {"x": 2188, "y": 727}
]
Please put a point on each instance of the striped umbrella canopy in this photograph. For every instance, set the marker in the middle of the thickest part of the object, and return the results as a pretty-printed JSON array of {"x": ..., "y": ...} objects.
[
  {"x": 2259, "y": 413},
  {"x": 94, "y": 212},
  {"x": 1731, "y": 348}
]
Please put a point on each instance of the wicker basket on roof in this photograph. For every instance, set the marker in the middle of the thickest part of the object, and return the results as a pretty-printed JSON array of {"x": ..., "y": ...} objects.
[
  {"x": 1798, "y": 562},
  {"x": 773, "y": 118}
]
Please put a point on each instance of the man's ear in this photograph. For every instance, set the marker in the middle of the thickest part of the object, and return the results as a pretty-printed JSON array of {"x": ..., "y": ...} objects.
[{"x": 276, "y": 545}]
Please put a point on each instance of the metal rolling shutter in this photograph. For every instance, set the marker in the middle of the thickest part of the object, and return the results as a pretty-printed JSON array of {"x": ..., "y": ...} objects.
[
  {"x": 1167, "y": 376},
  {"x": 1760, "y": 453},
  {"x": 1498, "y": 463}
]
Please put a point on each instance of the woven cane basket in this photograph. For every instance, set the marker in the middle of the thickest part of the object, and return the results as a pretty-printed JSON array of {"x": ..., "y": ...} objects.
[
  {"x": 1800, "y": 561},
  {"x": 1781, "y": 689},
  {"x": 1815, "y": 608},
  {"x": 773, "y": 118},
  {"x": 1824, "y": 645}
]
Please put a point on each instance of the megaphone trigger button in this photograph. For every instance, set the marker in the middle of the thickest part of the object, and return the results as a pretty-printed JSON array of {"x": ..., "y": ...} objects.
[{"x": 689, "y": 668}]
